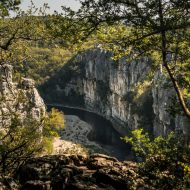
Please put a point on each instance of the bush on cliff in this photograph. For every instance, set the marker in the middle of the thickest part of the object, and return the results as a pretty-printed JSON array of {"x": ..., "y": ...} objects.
[
  {"x": 53, "y": 123},
  {"x": 164, "y": 161}
]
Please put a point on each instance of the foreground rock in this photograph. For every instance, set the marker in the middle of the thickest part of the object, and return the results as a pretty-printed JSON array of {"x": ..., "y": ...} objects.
[
  {"x": 72, "y": 172},
  {"x": 97, "y": 172}
]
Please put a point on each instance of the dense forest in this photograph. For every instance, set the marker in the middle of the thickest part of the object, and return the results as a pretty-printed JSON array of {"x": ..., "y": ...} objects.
[{"x": 53, "y": 50}]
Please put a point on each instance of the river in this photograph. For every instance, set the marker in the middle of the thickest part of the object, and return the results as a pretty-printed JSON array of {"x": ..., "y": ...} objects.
[{"x": 102, "y": 132}]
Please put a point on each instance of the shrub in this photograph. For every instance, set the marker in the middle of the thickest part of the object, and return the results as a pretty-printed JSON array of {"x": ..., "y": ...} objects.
[
  {"x": 53, "y": 123},
  {"x": 165, "y": 160},
  {"x": 23, "y": 139}
]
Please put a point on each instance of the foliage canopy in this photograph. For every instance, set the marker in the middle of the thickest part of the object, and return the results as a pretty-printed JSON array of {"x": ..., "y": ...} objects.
[
  {"x": 165, "y": 160},
  {"x": 158, "y": 29}
]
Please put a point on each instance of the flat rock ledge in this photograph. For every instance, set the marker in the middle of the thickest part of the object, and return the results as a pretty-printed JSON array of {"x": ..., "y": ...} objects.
[{"x": 75, "y": 172}]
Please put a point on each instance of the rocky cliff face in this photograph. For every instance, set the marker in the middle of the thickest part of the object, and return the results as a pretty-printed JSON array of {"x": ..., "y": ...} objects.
[
  {"x": 122, "y": 92},
  {"x": 164, "y": 122},
  {"x": 21, "y": 100}
]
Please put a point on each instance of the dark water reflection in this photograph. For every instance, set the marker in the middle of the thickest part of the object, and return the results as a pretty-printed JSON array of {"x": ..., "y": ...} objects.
[{"x": 103, "y": 132}]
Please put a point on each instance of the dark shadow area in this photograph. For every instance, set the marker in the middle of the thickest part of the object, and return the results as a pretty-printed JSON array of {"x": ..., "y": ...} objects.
[
  {"x": 103, "y": 133},
  {"x": 53, "y": 90}
]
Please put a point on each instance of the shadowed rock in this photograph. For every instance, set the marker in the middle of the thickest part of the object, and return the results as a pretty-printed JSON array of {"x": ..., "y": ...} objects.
[{"x": 72, "y": 172}]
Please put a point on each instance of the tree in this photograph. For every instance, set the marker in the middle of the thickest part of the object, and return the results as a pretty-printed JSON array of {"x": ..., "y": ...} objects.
[
  {"x": 19, "y": 141},
  {"x": 21, "y": 137},
  {"x": 7, "y": 5},
  {"x": 150, "y": 27},
  {"x": 165, "y": 160},
  {"x": 27, "y": 137},
  {"x": 16, "y": 32},
  {"x": 53, "y": 123}
]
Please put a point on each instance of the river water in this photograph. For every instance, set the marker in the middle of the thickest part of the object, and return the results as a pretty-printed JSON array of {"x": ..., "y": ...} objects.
[{"x": 102, "y": 133}]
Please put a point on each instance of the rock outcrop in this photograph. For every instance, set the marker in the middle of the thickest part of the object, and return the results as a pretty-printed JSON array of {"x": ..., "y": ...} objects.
[
  {"x": 96, "y": 172},
  {"x": 20, "y": 100},
  {"x": 77, "y": 173},
  {"x": 125, "y": 93}
]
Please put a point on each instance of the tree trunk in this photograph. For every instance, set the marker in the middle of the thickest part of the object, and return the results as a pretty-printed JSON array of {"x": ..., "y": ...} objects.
[
  {"x": 165, "y": 64},
  {"x": 178, "y": 91}
]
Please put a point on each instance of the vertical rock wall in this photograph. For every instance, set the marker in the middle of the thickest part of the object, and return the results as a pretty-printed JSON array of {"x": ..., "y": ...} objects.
[
  {"x": 164, "y": 122},
  {"x": 120, "y": 91},
  {"x": 21, "y": 100},
  {"x": 109, "y": 85}
]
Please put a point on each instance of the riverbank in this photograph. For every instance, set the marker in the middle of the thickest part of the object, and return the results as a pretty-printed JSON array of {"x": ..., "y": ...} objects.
[
  {"x": 74, "y": 138},
  {"x": 117, "y": 124}
]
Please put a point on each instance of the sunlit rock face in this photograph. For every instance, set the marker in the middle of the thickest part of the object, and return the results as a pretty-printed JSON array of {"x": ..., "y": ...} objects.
[
  {"x": 107, "y": 83},
  {"x": 123, "y": 91},
  {"x": 20, "y": 100}
]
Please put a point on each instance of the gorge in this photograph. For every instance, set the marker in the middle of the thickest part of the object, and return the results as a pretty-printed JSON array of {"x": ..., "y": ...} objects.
[
  {"x": 101, "y": 132},
  {"x": 127, "y": 94},
  {"x": 95, "y": 96}
]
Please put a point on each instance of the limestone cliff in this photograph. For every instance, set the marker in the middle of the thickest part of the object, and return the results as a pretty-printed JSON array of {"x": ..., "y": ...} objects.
[
  {"x": 164, "y": 122},
  {"x": 122, "y": 92},
  {"x": 18, "y": 99}
]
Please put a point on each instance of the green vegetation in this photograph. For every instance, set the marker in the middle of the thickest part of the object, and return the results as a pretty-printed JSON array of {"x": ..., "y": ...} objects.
[
  {"x": 27, "y": 44},
  {"x": 164, "y": 160},
  {"x": 132, "y": 28},
  {"x": 16, "y": 34},
  {"x": 23, "y": 139},
  {"x": 7, "y": 5},
  {"x": 41, "y": 62},
  {"x": 38, "y": 46},
  {"x": 140, "y": 101},
  {"x": 53, "y": 123},
  {"x": 18, "y": 142}
]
